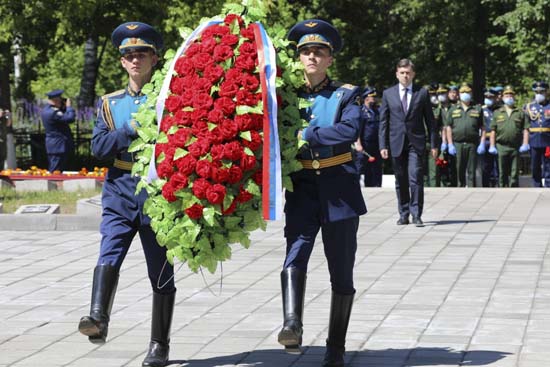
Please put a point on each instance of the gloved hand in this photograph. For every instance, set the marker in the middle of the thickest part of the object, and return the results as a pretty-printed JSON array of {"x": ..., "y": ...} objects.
[
  {"x": 481, "y": 149},
  {"x": 443, "y": 147},
  {"x": 132, "y": 126},
  {"x": 452, "y": 149},
  {"x": 524, "y": 148},
  {"x": 493, "y": 150}
]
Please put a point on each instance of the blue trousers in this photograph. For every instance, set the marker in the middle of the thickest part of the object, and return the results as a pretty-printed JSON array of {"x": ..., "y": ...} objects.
[
  {"x": 489, "y": 167},
  {"x": 56, "y": 162},
  {"x": 540, "y": 166},
  {"x": 339, "y": 242}
]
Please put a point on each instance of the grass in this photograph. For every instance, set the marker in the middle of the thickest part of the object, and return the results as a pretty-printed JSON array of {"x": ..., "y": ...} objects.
[{"x": 12, "y": 200}]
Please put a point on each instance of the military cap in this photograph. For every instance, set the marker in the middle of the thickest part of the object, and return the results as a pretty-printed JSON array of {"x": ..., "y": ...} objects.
[
  {"x": 441, "y": 88},
  {"x": 498, "y": 89},
  {"x": 315, "y": 32},
  {"x": 430, "y": 88},
  {"x": 55, "y": 93},
  {"x": 489, "y": 92},
  {"x": 508, "y": 90},
  {"x": 369, "y": 92},
  {"x": 453, "y": 87},
  {"x": 540, "y": 86},
  {"x": 465, "y": 88},
  {"x": 136, "y": 36}
]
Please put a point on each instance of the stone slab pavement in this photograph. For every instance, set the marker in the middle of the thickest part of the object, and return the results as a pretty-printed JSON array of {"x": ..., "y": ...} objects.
[{"x": 471, "y": 288}]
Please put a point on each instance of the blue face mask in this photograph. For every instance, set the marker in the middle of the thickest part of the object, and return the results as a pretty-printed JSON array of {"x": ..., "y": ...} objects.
[
  {"x": 488, "y": 102},
  {"x": 540, "y": 98},
  {"x": 465, "y": 97},
  {"x": 508, "y": 101}
]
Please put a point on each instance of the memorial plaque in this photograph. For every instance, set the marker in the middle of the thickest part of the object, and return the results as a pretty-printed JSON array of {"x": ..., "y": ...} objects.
[{"x": 38, "y": 209}]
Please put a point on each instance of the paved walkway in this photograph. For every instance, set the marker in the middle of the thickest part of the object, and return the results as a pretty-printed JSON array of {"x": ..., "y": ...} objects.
[{"x": 471, "y": 288}]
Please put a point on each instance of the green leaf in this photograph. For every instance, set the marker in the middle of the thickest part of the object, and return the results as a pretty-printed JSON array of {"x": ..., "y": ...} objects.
[
  {"x": 179, "y": 153},
  {"x": 246, "y": 135},
  {"x": 243, "y": 110}
]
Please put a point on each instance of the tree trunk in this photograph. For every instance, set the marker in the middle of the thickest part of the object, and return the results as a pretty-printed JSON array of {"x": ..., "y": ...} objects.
[
  {"x": 86, "y": 96},
  {"x": 5, "y": 66},
  {"x": 479, "y": 50}
]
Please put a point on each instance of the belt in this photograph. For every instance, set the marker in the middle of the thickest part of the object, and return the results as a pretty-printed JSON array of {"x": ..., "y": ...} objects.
[
  {"x": 125, "y": 165},
  {"x": 326, "y": 162},
  {"x": 539, "y": 129}
]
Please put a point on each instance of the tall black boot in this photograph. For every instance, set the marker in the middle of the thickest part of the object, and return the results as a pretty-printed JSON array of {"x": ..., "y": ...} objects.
[
  {"x": 293, "y": 286},
  {"x": 161, "y": 321},
  {"x": 340, "y": 311},
  {"x": 96, "y": 325}
]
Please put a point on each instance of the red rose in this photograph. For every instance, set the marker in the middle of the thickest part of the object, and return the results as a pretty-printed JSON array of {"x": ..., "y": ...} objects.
[
  {"x": 202, "y": 84},
  {"x": 215, "y": 194},
  {"x": 208, "y": 45},
  {"x": 169, "y": 152},
  {"x": 215, "y": 136},
  {"x": 220, "y": 175},
  {"x": 200, "y": 186},
  {"x": 202, "y": 101},
  {"x": 246, "y": 98},
  {"x": 201, "y": 60},
  {"x": 226, "y": 105},
  {"x": 255, "y": 142},
  {"x": 179, "y": 181},
  {"x": 165, "y": 169},
  {"x": 233, "y": 151},
  {"x": 184, "y": 66},
  {"x": 217, "y": 152},
  {"x": 257, "y": 121},
  {"x": 215, "y": 116},
  {"x": 258, "y": 177},
  {"x": 168, "y": 192},
  {"x": 235, "y": 174},
  {"x": 177, "y": 85},
  {"x": 183, "y": 118},
  {"x": 173, "y": 103},
  {"x": 216, "y": 30},
  {"x": 186, "y": 165},
  {"x": 200, "y": 128},
  {"x": 166, "y": 123},
  {"x": 203, "y": 168},
  {"x": 243, "y": 196},
  {"x": 200, "y": 147},
  {"x": 193, "y": 49},
  {"x": 213, "y": 73},
  {"x": 199, "y": 115},
  {"x": 248, "y": 33},
  {"x": 244, "y": 122},
  {"x": 233, "y": 75},
  {"x": 245, "y": 62},
  {"x": 230, "y": 18},
  {"x": 194, "y": 211},
  {"x": 229, "y": 129},
  {"x": 248, "y": 48},
  {"x": 231, "y": 208},
  {"x": 250, "y": 82},
  {"x": 228, "y": 89},
  {"x": 247, "y": 162},
  {"x": 223, "y": 52},
  {"x": 180, "y": 137},
  {"x": 229, "y": 40}
]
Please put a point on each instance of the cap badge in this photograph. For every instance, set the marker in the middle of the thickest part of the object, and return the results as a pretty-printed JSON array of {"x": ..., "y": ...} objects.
[
  {"x": 311, "y": 24},
  {"x": 132, "y": 26}
]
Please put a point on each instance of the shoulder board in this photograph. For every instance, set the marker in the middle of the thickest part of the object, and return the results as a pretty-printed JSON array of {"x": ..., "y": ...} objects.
[
  {"x": 114, "y": 94},
  {"x": 337, "y": 84}
]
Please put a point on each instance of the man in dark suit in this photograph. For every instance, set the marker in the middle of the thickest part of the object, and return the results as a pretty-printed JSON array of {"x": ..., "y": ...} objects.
[{"x": 404, "y": 109}]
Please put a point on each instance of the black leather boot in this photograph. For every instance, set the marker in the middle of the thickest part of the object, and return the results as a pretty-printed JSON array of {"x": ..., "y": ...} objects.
[
  {"x": 96, "y": 325},
  {"x": 340, "y": 311},
  {"x": 161, "y": 321},
  {"x": 293, "y": 285}
]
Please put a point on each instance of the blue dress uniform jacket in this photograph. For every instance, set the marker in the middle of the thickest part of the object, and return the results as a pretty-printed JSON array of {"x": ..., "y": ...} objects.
[
  {"x": 59, "y": 138},
  {"x": 123, "y": 214},
  {"x": 369, "y": 140},
  {"x": 327, "y": 198},
  {"x": 539, "y": 139}
]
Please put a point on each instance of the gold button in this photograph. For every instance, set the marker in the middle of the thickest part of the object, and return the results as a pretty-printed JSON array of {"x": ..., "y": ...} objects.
[
  {"x": 316, "y": 154},
  {"x": 317, "y": 173},
  {"x": 315, "y": 164}
]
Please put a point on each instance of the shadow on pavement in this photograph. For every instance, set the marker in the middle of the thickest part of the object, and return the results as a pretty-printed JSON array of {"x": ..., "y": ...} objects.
[
  {"x": 381, "y": 357},
  {"x": 466, "y": 221}
]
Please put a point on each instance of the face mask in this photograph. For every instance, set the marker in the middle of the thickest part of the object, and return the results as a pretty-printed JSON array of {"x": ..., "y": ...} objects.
[
  {"x": 465, "y": 97},
  {"x": 433, "y": 99},
  {"x": 540, "y": 98},
  {"x": 488, "y": 102},
  {"x": 509, "y": 101},
  {"x": 442, "y": 98}
]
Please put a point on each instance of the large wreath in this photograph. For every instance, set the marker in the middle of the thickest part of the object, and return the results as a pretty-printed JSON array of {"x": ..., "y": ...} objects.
[{"x": 210, "y": 146}]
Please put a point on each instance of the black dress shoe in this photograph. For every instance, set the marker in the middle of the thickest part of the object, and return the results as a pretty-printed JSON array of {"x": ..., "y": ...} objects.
[
  {"x": 402, "y": 221},
  {"x": 418, "y": 222}
]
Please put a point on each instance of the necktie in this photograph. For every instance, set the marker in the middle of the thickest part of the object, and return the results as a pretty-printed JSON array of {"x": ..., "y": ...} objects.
[{"x": 404, "y": 100}]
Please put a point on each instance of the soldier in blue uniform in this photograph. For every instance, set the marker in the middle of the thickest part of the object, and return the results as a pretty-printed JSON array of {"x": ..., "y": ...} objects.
[
  {"x": 539, "y": 134},
  {"x": 326, "y": 195},
  {"x": 56, "y": 117},
  {"x": 123, "y": 215},
  {"x": 369, "y": 161},
  {"x": 489, "y": 162}
]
